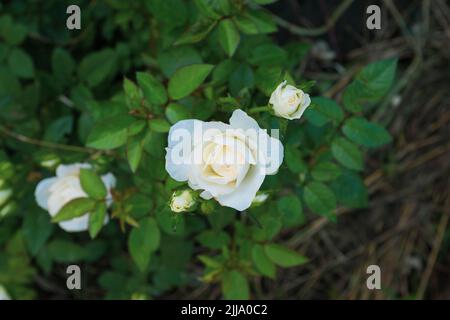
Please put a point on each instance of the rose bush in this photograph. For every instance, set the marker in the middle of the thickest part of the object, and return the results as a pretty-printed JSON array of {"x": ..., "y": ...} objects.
[{"x": 91, "y": 127}]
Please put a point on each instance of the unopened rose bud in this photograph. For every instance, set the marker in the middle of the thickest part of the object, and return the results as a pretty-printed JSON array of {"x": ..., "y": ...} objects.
[
  {"x": 288, "y": 101},
  {"x": 183, "y": 201},
  {"x": 260, "y": 199},
  {"x": 50, "y": 161}
]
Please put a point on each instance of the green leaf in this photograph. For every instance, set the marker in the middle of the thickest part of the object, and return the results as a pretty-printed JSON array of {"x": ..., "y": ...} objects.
[
  {"x": 320, "y": 199},
  {"x": 271, "y": 225},
  {"x": 186, "y": 79},
  {"x": 21, "y": 63},
  {"x": 291, "y": 210},
  {"x": 350, "y": 190},
  {"x": 92, "y": 184},
  {"x": 63, "y": 65},
  {"x": 153, "y": 90},
  {"x": 371, "y": 84},
  {"x": 66, "y": 251},
  {"x": 282, "y": 256},
  {"x": 135, "y": 146},
  {"x": 197, "y": 32},
  {"x": 143, "y": 241},
  {"x": 347, "y": 154},
  {"x": 235, "y": 286},
  {"x": 13, "y": 33},
  {"x": 325, "y": 171},
  {"x": 209, "y": 8},
  {"x": 74, "y": 209},
  {"x": 212, "y": 239},
  {"x": 365, "y": 133},
  {"x": 262, "y": 20},
  {"x": 37, "y": 228},
  {"x": 228, "y": 36},
  {"x": 130, "y": 88},
  {"x": 159, "y": 125},
  {"x": 378, "y": 77},
  {"x": 96, "y": 67},
  {"x": 268, "y": 55},
  {"x": 136, "y": 127},
  {"x": 262, "y": 263},
  {"x": 176, "y": 112},
  {"x": 110, "y": 133},
  {"x": 57, "y": 129},
  {"x": 245, "y": 24},
  {"x": 294, "y": 160},
  {"x": 97, "y": 219},
  {"x": 242, "y": 77},
  {"x": 268, "y": 78},
  {"x": 176, "y": 57},
  {"x": 322, "y": 111}
]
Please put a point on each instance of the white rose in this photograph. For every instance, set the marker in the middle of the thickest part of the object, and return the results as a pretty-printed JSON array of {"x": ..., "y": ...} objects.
[
  {"x": 4, "y": 196},
  {"x": 53, "y": 193},
  {"x": 3, "y": 294},
  {"x": 289, "y": 102},
  {"x": 228, "y": 161},
  {"x": 182, "y": 201}
]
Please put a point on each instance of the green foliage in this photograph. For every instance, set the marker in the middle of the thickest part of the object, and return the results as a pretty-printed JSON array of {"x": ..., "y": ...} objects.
[
  {"x": 92, "y": 184},
  {"x": 110, "y": 132},
  {"x": 108, "y": 95},
  {"x": 143, "y": 241},
  {"x": 370, "y": 84},
  {"x": 187, "y": 79},
  {"x": 365, "y": 133},
  {"x": 73, "y": 209},
  {"x": 234, "y": 285},
  {"x": 283, "y": 256}
]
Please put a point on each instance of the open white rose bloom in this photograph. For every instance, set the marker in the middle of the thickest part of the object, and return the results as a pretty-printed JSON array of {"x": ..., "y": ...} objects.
[
  {"x": 288, "y": 101},
  {"x": 53, "y": 193},
  {"x": 227, "y": 161}
]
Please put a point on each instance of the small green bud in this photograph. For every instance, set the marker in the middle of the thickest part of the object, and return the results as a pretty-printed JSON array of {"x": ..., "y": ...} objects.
[
  {"x": 208, "y": 206},
  {"x": 183, "y": 201}
]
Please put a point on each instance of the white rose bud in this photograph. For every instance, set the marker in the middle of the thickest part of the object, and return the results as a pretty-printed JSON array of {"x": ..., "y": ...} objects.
[
  {"x": 228, "y": 162},
  {"x": 50, "y": 161},
  {"x": 260, "y": 199},
  {"x": 5, "y": 194},
  {"x": 183, "y": 201},
  {"x": 289, "y": 102},
  {"x": 53, "y": 193}
]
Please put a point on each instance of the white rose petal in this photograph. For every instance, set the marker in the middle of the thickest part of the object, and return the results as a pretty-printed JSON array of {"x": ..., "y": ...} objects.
[
  {"x": 53, "y": 193},
  {"x": 289, "y": 102},
  {"x": 3, "y": 294},
  {"x": 227, "y": 162}
]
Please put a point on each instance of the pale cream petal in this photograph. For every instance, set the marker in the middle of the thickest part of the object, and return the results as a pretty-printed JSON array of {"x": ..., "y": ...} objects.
[{"x": 42, "y": 192}]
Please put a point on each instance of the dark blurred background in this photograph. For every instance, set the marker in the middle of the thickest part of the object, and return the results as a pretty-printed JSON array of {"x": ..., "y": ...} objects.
[{"x": 405, "y": 230}]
